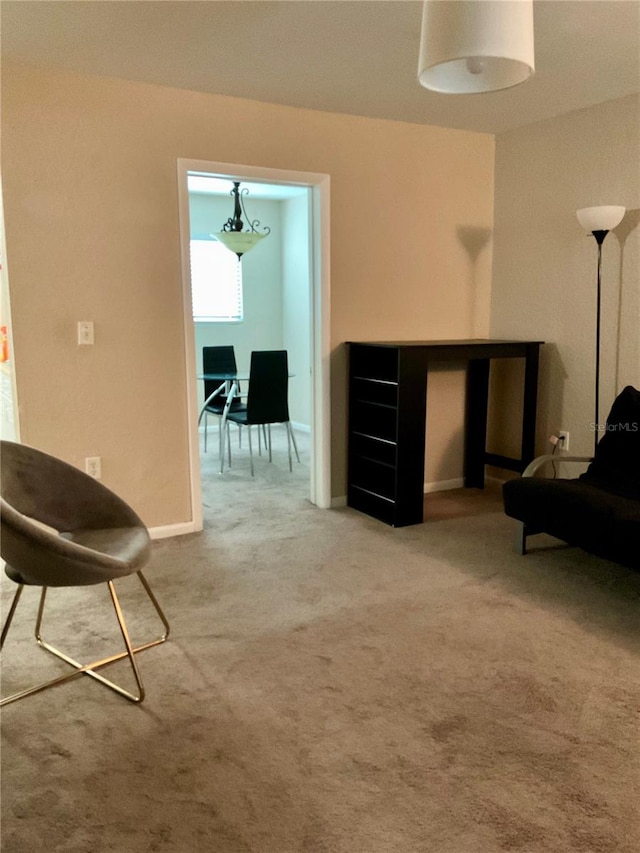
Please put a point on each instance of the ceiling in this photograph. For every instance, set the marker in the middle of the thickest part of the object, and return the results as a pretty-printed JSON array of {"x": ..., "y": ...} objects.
[{"x": 347, "y": 56}]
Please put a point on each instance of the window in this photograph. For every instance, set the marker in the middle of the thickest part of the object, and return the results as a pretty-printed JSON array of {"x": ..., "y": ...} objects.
[{"x": 216, "y": 283}]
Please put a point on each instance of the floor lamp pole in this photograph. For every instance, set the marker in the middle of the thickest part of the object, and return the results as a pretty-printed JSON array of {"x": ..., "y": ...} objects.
[
  {"x": 599, "y": 221},
  {"x": 599, "y": 235}
]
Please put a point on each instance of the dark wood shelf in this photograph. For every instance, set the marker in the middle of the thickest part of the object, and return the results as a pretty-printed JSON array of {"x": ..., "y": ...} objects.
[{"x": 387, "y": 415}]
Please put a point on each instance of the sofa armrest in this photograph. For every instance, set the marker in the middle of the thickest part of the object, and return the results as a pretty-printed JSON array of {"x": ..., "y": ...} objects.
[{"x": 540, "y": 461}]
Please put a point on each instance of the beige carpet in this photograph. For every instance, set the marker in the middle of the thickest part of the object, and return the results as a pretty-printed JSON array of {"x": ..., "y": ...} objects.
[{"x": 333, "y": 685}]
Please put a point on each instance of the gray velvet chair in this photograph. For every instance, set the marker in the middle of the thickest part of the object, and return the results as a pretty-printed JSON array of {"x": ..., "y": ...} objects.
[{"x": 61, "y": 528}]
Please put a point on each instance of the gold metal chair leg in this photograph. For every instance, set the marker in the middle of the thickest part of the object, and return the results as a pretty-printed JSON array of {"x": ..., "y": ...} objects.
[
  {"x": 12, "y": 610},
  {"x": 89, "y": 668},
  {"x": 158, "y": 610},
  {"x": 130, "y": 653}
]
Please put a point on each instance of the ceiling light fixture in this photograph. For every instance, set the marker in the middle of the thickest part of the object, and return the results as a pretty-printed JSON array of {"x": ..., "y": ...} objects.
[
  {"x": 232, "y": 236},
  {"x": 470, "y": 46}
]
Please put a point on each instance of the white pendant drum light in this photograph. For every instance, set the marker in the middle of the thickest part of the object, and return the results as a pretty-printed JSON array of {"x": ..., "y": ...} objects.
[{"x": 471, "y": 46}]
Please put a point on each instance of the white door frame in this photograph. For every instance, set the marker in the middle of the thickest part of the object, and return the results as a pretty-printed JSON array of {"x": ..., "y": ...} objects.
[{"x": 320, "y": 488}]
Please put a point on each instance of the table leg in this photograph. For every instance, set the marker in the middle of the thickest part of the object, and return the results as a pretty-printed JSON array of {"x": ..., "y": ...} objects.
[
  {"x": 476, "y": 422},
  {"x": 218, "y": 390},
  {"x": 231, "y": 392},
  {"x": 528, "y": 451}
]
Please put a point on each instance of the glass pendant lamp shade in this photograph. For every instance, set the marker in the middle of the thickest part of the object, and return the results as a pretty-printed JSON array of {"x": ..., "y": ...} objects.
[
  {"x": 470, "y": 46},
  {"x": 602, "y": 218},
  {"x": 239, "y": 241}
]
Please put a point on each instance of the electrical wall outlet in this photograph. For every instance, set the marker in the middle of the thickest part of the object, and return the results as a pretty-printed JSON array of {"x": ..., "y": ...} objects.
[
  {"x": 563, "y": 437},
  {"x": 93, "y": 467},
  {"x": 85, "y": 333}
]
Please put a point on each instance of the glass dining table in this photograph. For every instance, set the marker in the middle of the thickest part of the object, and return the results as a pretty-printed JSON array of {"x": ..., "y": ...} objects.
[{"x": 229, "y": 385}]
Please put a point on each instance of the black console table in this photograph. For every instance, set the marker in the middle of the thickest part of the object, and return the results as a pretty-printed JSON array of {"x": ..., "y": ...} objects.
[{"x": 387, "y": 419}]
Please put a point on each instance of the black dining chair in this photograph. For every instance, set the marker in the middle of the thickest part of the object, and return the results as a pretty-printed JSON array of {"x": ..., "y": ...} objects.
[
  {"x": 267, "y": 399},
  {"x": 220, "y": 359}
]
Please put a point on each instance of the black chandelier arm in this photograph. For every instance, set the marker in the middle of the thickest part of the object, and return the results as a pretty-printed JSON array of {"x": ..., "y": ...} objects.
[
  {"x": 253, "y": 223},
  {"x": 256, "y": 224}
]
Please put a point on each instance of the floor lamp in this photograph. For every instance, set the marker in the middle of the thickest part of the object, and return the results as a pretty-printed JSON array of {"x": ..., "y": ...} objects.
[{"x": 599, "y": 221}]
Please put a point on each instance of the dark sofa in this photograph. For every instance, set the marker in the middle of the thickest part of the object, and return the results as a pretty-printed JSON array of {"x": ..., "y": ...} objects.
[{"x": 598, "y": 511}]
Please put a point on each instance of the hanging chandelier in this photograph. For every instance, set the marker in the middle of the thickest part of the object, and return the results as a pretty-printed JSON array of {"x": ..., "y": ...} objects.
[{"x": 232, "y": 234}]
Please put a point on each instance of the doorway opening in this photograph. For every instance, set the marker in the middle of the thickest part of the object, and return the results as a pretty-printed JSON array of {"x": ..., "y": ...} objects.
[{"x": 290, "y": 312}]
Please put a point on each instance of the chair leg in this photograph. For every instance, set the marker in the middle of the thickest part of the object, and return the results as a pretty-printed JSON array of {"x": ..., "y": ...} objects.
[
  {"x": 250, "y": 447},
  {"x": 130, "y": 653},
  {"x": 264, "y": 436},
  {"x": 12, "y": 610},
  {"x": 221, "y": 445},
  {"x": 289, "y": 446},
  {"x": 269, "y": 434},
  {"x": 159, "y": 611},
  {"x": 89, "y": 668},
  {"x": 205, "y": 431},
  {"x": 293, "y": 439}
]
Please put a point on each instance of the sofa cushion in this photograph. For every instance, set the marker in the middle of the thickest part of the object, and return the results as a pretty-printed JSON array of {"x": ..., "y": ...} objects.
[
  {"x": 578, "y": 512},
  {"x": 600, "y": 510},
  {"x": 616, "y": 466}
]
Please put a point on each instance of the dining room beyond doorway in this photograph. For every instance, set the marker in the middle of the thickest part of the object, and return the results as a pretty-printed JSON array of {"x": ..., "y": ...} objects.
[{"x": 261, "y": 302}]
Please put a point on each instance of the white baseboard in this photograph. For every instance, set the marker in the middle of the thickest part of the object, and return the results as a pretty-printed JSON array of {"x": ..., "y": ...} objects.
[
  {"x": 491, "y": 479},
  {"x": 167, "y": 530},
  {"x": 443, "y": 485}
]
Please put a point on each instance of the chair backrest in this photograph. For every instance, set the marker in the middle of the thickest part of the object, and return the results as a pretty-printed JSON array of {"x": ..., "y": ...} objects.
[
  {"x": 217, "y": 360},
  {"x": 267, "y": 400}
]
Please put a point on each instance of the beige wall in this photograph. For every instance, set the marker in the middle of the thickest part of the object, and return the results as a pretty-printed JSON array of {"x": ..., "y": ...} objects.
[
  {"x": 544, "y": 285},
  {"x": 91, "y": 209}
]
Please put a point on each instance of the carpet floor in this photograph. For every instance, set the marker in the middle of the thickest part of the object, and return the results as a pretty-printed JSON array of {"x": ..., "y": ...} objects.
[{"x": 333, "y": 685}]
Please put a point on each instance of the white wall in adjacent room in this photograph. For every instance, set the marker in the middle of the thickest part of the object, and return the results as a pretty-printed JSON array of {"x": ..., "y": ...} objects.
[
  {"x": 261, "y": 327},
  {"x": 296, "y": 305}
]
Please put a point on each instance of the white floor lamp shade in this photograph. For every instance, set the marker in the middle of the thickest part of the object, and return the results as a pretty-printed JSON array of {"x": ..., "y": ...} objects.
[
  {"x": 602, "y": 218},
  {"x": 470, "y": 46}
]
